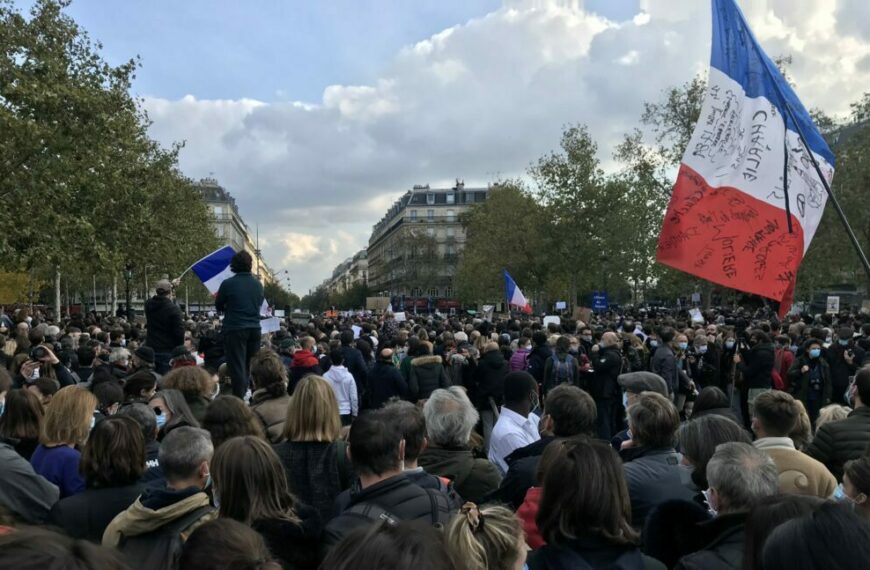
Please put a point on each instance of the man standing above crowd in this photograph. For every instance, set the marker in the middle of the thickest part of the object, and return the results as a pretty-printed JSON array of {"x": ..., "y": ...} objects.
[
  {"x": 240, "y": 298},
  {"x": 165, "y": 325},
  {"x": 607, "y": 363}
]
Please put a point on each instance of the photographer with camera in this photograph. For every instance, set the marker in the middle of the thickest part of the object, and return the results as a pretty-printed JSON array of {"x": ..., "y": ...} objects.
[
  {"x": 844, "y": 357},
  {"x": 755, "y": 360},
  {"x": 43, "y": 363}
]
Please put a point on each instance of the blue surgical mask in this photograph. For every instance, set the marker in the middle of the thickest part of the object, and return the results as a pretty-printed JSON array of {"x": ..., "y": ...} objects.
[
  {"x": 729, "y": 344},
  {"x": 2, "y": 407},
  {"x": 841, "y": 496},
  {"x": 683, "y": 345},
  {"x": 815, "y": 352},
  {"x": 702, "y": 349},
  {"x": 625, "y": 400},
  {"x": 161, "y": 421},
  {"x": 844, "y": 342},
  {"x": 654, "y": 343}
]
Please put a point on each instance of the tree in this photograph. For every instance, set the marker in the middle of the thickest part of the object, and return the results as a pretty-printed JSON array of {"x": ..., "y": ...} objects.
[
  {"x": 279, "y": 297},
  {"x": 504, "y": 232}
]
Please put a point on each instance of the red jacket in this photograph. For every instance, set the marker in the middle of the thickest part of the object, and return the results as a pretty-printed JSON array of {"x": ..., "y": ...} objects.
[
  {"x": 783, "y": 358},
  {"x": 527, "y": 513},
  {"x": 304, "y": 359}
]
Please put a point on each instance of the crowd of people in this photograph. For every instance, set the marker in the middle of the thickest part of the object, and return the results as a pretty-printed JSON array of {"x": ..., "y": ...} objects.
[{"x": 644, "y": 440}]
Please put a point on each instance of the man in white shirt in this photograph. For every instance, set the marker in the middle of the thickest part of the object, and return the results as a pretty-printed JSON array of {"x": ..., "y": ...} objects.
[
  {"x": 517, "y": 426},
  {"x": 343, "y": 384}
]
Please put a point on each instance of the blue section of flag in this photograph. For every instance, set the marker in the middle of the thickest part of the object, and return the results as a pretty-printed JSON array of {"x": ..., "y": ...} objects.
[
  {"x": 510, "y": 285},
  {"x": 213, "y": 263},
  {"x": 737, "y": 53}
]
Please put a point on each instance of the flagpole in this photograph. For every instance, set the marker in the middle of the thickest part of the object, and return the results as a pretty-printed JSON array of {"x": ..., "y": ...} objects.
[{"x": 824, "y": 181}]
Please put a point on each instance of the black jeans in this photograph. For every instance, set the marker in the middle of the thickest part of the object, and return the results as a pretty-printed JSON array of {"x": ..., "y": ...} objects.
[{"x": 239, "y": 347}]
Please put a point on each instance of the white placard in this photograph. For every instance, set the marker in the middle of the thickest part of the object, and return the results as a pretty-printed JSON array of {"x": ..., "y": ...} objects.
[
  {"x": 356, "y": 330},
  {"x": 270, "y": 325},
  {"x": 400, "y": 316},
  {"x": 833, "y": 305},
  {"x": 561, "y": 305},
  {"x": 278, "y": 312},
  {"x": 696, "y": 315},
  {"x": 555, "y": 319}
]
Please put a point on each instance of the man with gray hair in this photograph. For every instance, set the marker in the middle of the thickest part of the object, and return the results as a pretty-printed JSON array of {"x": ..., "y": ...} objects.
[
  {"x": 739, "y": 476},
  {"x": 140, "y": 532},
  {"x": 450, "y": 418}
]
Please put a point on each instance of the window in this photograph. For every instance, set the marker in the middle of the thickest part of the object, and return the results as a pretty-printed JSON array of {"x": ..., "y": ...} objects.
[
  {"x": 430, "y": 198},
  {"x": 451, "y": 215},
  {"x": 430, "y": 215},
  {"x": 448, "y": 292},
  {"x": 451, "y": 198},
  {"x": 430, "y": 232},
  {"x": 451, "y": 232},
  {"x": 451, "y": 250},
  {"x": 413, "y": 215},
  {"x": 218, "y": 211},
  {"x": 433, "y": 291}
]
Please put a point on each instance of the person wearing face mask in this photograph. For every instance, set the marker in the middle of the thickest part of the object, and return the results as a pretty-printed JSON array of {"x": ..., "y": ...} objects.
[
  {"x": 664, "y": 362},
  {"x": 855, "y": 488},
  {"x": 607, "y": 363},
  {"x": 756, "y": 366},
  {"x": 182, "y": 505},
  {"x": 517, "y": 425},
  {"x": 707, "y": 372},
  {"x": 783, "y": 360},
  {"x": 844, "y": 358},
  {"x": 810, "y": 379}
]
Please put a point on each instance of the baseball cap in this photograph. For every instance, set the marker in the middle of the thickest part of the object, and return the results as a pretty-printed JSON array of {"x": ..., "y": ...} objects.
[{"x": 163, "y": 286}]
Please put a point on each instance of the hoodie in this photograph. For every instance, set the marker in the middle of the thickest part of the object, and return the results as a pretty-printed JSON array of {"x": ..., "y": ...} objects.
[
  {"x": 520, "y": 359},
  {"x": 155, "y": 508}
]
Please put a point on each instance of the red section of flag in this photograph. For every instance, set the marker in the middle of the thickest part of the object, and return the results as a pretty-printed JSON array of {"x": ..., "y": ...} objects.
[{"x": 728, "y": 237}]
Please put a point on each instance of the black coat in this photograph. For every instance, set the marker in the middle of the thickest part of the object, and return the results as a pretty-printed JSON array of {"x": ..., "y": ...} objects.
[
  {"x": 537, "y": 361},
  {"x": 294, "y": 545},
  {"x": 353, "y": 361},
  {"x": 757, "y": 366},
  {"x": 724, "y": 551},
  {"x": 316, "y": 472},
  {"x": 607, "y": 364},
  {"x": 838, "y": 442},
  {"x": 385, "y": 382},
  {"x": 588, "y": 553},
  {"x": 840, "y": 369},
  {"x": 86, "y": 515},
  {"x": 489, "y": 379},
  {"x": 403, "y": 500},
  {"x": 165, "y": 324},
  {"x": 653, "y": 476},
  {"x": 521, "y": 475}
]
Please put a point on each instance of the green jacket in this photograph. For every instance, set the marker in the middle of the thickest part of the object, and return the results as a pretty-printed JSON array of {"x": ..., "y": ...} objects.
[{"x": 240, "y": 298}]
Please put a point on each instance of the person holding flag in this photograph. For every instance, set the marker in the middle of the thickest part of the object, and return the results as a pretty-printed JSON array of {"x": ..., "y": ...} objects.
[
  {"x": 240, "y": 298},
  {"x": 515, "y": 296}
]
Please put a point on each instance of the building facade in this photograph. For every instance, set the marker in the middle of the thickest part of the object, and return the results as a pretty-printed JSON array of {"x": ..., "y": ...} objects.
[
  {"x": 230, "y": 227},
  {"x": 349, "y": 273},
  {"x": 414, "y": 249}
]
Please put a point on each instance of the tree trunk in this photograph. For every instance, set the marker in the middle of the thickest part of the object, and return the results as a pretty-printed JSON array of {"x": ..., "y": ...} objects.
[
  {"x": 57, "y": 302},
  {"x": 114, "y": 306}
]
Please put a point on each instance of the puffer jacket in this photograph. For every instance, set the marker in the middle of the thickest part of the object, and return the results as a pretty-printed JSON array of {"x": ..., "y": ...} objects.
[
  {"x": 272, "y": 412},
  {"x": 838, "y": 442},
  {"x": 425, "y": 376}
]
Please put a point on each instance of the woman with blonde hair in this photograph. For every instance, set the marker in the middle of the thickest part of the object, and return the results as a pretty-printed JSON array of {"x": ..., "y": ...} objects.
[
  {"x": 802, "y": 433},
  {"x": 487, "y": 538},
  {"x": 68, "y": 422},
  {"x": 831, "y": 413},
  {"x": 250, "y": 486},
  {"x": 315, "y": 462}
]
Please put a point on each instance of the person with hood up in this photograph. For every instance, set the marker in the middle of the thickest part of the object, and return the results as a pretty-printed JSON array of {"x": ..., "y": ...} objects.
[
  {"x": 304, "y": 363},
  {"x": 426, "y": 374}
]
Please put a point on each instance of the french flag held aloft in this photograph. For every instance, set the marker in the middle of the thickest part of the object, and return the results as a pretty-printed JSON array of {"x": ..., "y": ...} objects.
[
  {"x": 747, "y": 200},
  {"x": 515, "y": 297}
]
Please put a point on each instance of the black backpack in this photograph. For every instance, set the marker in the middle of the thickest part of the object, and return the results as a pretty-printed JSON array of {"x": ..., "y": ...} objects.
[
  {"x": 160, "y": 548},
  {"x": 373, "y": 512}
]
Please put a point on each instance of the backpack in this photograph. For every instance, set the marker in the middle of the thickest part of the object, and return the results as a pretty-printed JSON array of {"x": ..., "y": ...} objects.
[
  {"x": 373, "y": 512},
  {"x": 160, "y": 548},
  {"x": 562, "y": 371}
]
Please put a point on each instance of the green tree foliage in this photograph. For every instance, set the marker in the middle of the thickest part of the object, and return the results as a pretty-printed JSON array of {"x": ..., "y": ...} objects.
[
  {"x": 279, "y": 297},
  {"x": 85, "y": 190}
]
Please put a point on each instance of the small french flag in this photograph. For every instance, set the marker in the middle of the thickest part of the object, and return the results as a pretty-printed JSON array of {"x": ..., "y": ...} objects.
[
  {"x": 515, "y": 296},
  {"x": 214, "y": 269}
]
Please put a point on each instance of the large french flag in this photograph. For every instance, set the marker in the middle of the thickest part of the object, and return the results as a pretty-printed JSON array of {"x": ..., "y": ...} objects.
[
  {"x": 515, "y": 297},
  {"x": 747, "y": 200},
  {"x": 214, "y": 268}
]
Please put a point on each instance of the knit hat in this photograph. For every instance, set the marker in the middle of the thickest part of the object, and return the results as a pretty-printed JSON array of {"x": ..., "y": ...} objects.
[{"x": 145, "y": 354}]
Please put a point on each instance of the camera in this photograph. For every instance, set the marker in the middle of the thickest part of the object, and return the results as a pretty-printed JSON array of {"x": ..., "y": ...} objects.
[{"x": 38, "y": 353}]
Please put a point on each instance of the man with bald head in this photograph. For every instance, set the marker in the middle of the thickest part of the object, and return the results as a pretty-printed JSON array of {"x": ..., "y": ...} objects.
[
  {"x": 385, "y": 381},
  {"x": 607, "y": 364}
]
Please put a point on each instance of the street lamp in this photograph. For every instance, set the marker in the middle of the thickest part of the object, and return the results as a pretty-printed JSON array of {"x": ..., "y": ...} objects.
[{"x": 128, "y": 276}]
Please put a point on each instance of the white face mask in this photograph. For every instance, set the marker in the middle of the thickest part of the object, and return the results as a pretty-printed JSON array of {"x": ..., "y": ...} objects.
[
  {"x": 625, "y": 400},
  {"x": 708, "y": 498}
]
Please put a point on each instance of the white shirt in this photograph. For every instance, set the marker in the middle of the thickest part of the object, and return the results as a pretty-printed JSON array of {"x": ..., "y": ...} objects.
[
  {"x": 511, "y": 431},
  {"x": 344, "y": 386}
]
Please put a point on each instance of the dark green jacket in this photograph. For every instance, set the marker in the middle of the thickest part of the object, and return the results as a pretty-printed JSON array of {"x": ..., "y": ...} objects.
[{"x": 240, "y": 298}]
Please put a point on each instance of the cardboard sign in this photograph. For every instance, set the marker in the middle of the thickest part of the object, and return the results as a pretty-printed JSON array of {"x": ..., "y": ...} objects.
[
  {"x": 833, "y": 305},
  {"x": 583, "y": 314}
]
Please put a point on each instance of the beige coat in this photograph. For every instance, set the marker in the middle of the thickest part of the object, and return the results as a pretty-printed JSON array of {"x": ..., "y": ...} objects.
[
  {"x": 799, "y": 474},
  {"x": 138, "y": 519}
]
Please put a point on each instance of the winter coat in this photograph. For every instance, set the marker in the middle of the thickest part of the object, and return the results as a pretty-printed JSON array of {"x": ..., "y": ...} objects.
[
  {"x": 385, "y": 382},
  {"x": 799, "y": 382},
  {"x": 426, "y": 375},
  {"x": 590, "y": 553},
  {"x": 272, "y": 412},
  {"x": 840, "y": 369},
  {"x": 60, "y": 466},
  {"x": 473, "y": 477},
  {"x": 240, "y": 299},
  {"x": 653, "y": 476},
  {"x": 401, "y": 499},
  {"x": 86, "y": 515},
  {"x": 489, "y": 380},
  {"x": 520, "y": 359},
  {"x": 528, "y": 513},
  {"x": 24, "y": 493},
  {"x": 316, "y": 472},
  {"x": 725, "y": 549},
  {"x": 154, "y": 509},
  {"x": 799, "y": 474},
  {"x": 304, "y": 363},
  {"x": 664, "y": 363},
  {"x": 757, "y": 366},
  {"x": 165, "y": 324},
  {"x": 521, "y": 474},
  {"x": 838, "y": 442},
  {"x": 607, "y": 364},
  {"x": 538, "y": 358},
  {"x": 295, "y": 545},
  {"x": 355, "y": 364}
]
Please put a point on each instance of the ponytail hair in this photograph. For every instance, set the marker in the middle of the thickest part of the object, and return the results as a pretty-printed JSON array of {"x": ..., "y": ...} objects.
[{"x": 484, "y": 538}]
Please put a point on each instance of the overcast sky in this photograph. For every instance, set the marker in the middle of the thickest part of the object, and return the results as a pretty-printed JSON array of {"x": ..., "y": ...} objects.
[{"x": 317, "y": 115}]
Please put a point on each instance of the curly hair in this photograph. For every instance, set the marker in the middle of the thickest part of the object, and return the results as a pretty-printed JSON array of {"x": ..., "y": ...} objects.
[
  {"x": 228, "y": 417},
  {"x": 269, "y": 373},
  {"x": 192, "y": 381}
]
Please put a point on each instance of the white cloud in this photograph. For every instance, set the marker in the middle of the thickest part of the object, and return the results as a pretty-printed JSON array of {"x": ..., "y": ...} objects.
[{"x": 486, "y": 96}]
